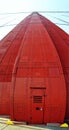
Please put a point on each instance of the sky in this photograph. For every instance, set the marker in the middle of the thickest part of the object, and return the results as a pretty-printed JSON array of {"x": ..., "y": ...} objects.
[{"x": 10, "y": 14}]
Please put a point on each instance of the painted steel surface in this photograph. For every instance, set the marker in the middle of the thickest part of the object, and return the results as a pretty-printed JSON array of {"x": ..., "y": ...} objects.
[
  {"x": 8, "y": 53},
  {"x": 32, "y": 84},
  {"x": 61, "y": 42},
  {"x": 38, "y": 70}
]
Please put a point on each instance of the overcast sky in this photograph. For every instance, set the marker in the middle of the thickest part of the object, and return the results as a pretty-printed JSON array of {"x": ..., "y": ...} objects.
[{"x": 8, "y": 21}]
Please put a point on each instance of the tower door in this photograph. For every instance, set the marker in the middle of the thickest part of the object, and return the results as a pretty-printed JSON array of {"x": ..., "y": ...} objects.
[{"x": 37, "y": 105}]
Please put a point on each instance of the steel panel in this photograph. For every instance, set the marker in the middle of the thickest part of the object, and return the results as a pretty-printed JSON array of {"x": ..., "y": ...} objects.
[
  {"x": 31, "y": 64},
  {"x": 61, "y": 42}
]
